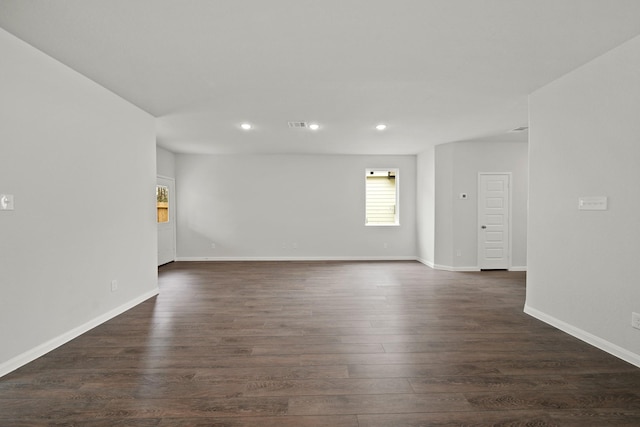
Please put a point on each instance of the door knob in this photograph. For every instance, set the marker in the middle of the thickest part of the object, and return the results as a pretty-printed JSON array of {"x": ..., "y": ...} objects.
[{"x": 483, "y": 227}]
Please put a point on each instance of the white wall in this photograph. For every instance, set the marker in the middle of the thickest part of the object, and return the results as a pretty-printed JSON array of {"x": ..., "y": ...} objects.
[
  {"x": 259, "y": 206},
  {"x": 457, "y": 167},
  {"x": 585, "y": 141},
  {"x": 166, "y": 163},
  {"x": 81, "y": 164},
  {"x": 425, "y": 205},
  {"x": 444, "y": 213}
]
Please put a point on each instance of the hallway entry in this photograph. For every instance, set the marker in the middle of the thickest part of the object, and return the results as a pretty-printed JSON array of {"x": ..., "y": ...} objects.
[{"x": 165, "y": 211}]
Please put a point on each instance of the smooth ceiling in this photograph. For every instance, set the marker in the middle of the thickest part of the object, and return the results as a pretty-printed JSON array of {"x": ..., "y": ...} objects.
[{"x": 434, "y": 71}]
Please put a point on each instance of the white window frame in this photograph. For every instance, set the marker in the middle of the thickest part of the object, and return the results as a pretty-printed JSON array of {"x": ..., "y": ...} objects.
[{"x": 396, "y": 223}]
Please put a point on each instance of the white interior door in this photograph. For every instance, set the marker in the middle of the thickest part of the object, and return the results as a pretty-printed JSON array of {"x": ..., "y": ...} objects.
[
  {"x": 493, "y": 221},
  {"x": 166, "y": 217}
]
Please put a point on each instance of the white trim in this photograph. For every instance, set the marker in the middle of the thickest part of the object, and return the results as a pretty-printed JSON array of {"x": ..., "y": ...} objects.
[
  {"x": 585, "y": 336},
  {"x": 397, "y": 213},
  {"x": 425, "y": 262},
  {"x": 52, "y": 344},
  {"x": 450, "y": 268},
  {"x": 465, "y": 268},
  {"x": 302, "y": 258}
]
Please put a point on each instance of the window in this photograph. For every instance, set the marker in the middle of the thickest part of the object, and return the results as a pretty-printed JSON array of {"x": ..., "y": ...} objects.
[
  {"x": 162, "y": 203},
  {"x": 381, "y": 197}
]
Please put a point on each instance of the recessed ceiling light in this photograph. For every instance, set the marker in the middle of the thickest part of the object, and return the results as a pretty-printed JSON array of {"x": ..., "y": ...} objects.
[
  {"x": 246, "y": 126},
  {"x": 314, "y": 126},
  {"x": 381, "y": 126}
]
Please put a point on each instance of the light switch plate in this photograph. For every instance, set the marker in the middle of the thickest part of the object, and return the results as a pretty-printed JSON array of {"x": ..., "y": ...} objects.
[
  {"x": 592, "y": 203},
  {"x": 6, "y": 202}
]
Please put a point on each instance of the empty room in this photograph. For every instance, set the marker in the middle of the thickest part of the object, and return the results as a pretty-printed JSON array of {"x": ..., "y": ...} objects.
[{"x": 355, "y": 213}]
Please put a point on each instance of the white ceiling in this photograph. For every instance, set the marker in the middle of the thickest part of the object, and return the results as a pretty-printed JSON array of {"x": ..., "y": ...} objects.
[{"x": 434, "y": 71}]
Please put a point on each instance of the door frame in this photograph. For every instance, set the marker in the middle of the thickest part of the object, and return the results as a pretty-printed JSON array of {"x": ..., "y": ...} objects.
[
  {"x": 172, "y": 215},
  {"x": 509, "y": 215}
]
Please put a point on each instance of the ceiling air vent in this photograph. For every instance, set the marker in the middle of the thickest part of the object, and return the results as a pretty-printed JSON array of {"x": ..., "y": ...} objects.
[
  {"x": 298, "y": 125},
  {"x": 520, "y": 129}
]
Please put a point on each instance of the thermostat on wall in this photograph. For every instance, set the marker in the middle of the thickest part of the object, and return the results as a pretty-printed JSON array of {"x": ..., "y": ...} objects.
[{"x": 6, "y": 202}]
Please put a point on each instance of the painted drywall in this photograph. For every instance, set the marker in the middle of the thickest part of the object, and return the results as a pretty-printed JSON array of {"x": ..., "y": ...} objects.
[
  {"x": 80, "y": 162},
  {"x": 444, "y": 214},
  {"x": 165, "y": 162},
  {"x": 457, "y": 167},
  {"x": 470, "y": 159},
  {"x": 288, "y": 207},
  {"x": 425, "y": 205},
  {"x": 585, "y": 141}
]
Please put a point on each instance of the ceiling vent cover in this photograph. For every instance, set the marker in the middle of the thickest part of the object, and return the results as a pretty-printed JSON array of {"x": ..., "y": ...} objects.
[{"x": 298, "y": 125}]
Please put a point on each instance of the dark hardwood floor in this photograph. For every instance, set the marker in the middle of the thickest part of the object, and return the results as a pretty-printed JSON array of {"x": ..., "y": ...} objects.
[{"x": 341, "y": 344}]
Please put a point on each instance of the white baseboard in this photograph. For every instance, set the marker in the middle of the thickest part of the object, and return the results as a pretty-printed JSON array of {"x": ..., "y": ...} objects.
[
  {"x": 302, "y": 258},
  {"x": 425, "y": 262},
  {"x": 431, "y": 264},
  {"x": 42, "y": 349},
  {"x": 585, "y": 336},
  {"x": 451, "y": 268},
  {"x": 446, "y": 267}
]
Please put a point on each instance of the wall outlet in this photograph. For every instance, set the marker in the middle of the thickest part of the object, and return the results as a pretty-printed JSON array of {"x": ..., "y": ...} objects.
[
  {"x": 459, "y": 252},
  {"x": 114, "y": 285},
  {"x": 635, "y": 320},
  {"x": 385, "y": 246},
  {"x": 213, "y": 245},
  {"x": 592, "y": 203},
  {"x": 294, "y": 245}
]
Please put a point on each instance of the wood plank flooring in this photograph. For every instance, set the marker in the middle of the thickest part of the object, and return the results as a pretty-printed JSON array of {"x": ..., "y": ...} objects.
[{"x": 341, "y": 344}]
